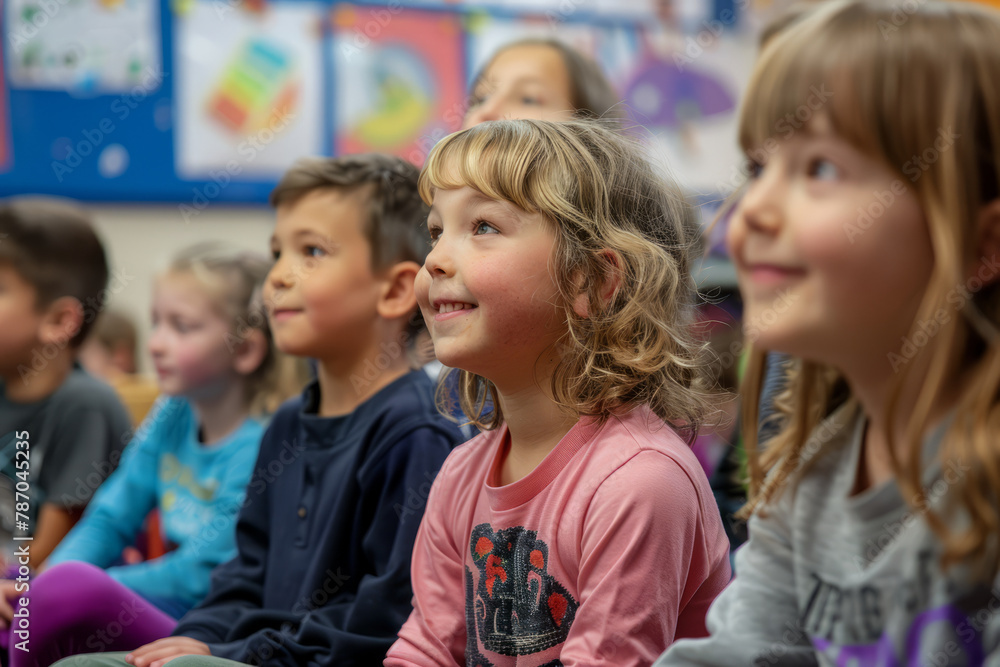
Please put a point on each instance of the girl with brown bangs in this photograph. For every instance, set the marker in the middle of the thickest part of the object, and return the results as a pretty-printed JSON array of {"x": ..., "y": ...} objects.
[
  {"x": 866, "y": 246},
  {"x": 579, "y": 527}
]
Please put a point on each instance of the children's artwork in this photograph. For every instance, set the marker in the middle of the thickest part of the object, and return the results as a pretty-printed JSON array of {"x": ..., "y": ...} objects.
[
  {"x": 85, "y": 47},
  {"x": 249, "y": 94},
  {"x": 398, "y": 78},
  {"x": 682, "y": 102},
  {"x": 260, "y": 80},
  {"x": 687, "y": 98}
]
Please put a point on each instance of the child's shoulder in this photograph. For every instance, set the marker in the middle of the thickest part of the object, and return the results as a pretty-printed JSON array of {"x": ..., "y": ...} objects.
[
  {"x": 640, "y": 448},
  {"x": 393, "y": 414},
  {"x": 82, "y": 393},
  {"x": 82, "y": 388},
  {"x": 402, "y": 408},
  {"x": 641, "y": 431},
  {"x": 468, "y": 464}
]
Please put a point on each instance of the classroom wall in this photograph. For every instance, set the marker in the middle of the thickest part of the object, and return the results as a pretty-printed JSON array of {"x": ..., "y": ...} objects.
[{"x": 140, "y": 240}]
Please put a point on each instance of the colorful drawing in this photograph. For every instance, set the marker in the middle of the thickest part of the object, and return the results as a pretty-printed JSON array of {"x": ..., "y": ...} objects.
[
  {"x": 259, "y": 82},
  {"x": 249, "y": 89},
  {"x": 83, "y": 47},
  {"x": 399, "y": 84},
  {"x": 664, "y": 95}
]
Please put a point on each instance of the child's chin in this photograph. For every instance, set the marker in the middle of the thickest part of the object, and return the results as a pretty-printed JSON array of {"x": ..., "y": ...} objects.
[{"x": 293, "y": 348}]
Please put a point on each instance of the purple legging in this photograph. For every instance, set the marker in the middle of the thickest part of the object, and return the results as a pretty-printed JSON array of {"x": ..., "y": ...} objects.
[{"x": 77, "y": 608}]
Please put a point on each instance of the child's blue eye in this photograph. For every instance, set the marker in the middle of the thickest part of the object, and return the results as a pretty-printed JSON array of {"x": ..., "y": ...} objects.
[
  {"x": 753, "y": 169},
  {"x": 530, "y": 100},
  {"x": 314, "y": 251},
  {"x": 823, "y": 170},
  {"x": 483, "y": 227}
]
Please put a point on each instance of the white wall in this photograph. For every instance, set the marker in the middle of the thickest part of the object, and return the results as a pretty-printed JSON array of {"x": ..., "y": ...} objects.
[{"x": 140, "y": 241}]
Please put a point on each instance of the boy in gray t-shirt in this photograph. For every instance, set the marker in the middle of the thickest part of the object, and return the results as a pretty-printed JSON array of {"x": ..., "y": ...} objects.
[{"x": 61, "y": 430}]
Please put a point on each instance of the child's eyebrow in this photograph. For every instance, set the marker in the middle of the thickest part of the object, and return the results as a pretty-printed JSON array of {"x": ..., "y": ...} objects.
[
  {"x": 312, "y": 234},
  {"x": 481, "y": 204}
]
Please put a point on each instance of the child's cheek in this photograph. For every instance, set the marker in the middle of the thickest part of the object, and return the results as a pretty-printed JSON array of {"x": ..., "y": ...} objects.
[
  {"x": 196, "y": 367},
  {"x": 421, "y": 287}
]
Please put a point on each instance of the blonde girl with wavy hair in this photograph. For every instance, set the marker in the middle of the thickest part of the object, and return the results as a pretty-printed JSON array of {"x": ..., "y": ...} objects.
[
  {"x": 578, "y": 528},
  {"x": 866, "y": 246}
]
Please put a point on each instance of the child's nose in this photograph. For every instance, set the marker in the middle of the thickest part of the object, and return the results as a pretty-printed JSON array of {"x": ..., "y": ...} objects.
[
  {"x": 155, "y": 344},
  {"x": 438, "y": 262},
  {"x": 279, "y": 277},
  {"x": 760, "y": 206}
]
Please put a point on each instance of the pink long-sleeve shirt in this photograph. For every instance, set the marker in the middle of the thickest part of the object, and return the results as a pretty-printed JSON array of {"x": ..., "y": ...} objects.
[{"x": 607, "y": 552}]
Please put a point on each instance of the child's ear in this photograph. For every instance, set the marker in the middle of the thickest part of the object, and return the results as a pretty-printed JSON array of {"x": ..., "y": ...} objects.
[
  {"x": 398, "y": 297},
  {"x": 250, "y": 353},
  {"x": 610, "y": 283},
  {"x": 62, "y": 320},
  {"x": 988, "y": 224}
]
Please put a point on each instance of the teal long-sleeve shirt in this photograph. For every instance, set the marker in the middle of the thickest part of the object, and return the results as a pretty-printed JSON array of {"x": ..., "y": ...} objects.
[{"x": 199, "y": 490}]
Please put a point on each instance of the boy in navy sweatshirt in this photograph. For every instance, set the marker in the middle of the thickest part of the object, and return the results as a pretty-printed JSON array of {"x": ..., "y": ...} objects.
[{"x": 323, "y": 571}]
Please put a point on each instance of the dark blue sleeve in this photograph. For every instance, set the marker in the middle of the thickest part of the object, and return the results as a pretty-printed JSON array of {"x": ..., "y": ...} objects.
[{"x": 359, "y": 628}]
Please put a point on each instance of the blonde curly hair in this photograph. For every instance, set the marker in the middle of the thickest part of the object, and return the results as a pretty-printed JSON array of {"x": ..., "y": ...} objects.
[{"x": 613, "y": 215}]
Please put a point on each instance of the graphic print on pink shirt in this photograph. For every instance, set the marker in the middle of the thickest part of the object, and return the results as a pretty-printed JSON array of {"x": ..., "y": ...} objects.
[{"x": 517, "y": 607}]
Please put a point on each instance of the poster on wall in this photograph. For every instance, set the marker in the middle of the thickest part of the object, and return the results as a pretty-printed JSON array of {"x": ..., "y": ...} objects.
[
  {"x": 688, "y": 100},
  {"x": 249, "y": 88},
  {"x": 682, "y": 103},
  {"x": 84, "y": 47},
  {"x": 399, "y": 81}
]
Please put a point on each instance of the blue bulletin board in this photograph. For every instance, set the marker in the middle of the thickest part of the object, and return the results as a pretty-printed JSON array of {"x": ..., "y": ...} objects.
[{"x": 197, "y": 102}]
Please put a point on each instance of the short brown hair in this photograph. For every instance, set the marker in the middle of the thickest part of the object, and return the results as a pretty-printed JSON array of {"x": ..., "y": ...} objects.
[
  {"x": 396, "y": 223},
  {"x": 53, "y": 246}
]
